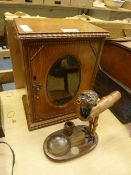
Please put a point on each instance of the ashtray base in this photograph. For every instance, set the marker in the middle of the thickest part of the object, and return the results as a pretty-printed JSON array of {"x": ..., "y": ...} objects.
[{"x": 59, "y": 146}]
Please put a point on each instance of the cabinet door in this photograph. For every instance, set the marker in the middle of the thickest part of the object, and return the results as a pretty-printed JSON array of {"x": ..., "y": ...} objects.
[{"x": 58, "y": 72}]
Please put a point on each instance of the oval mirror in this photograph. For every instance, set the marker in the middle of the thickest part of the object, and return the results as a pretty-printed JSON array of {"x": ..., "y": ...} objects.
[{"x": 63, "y": 80}]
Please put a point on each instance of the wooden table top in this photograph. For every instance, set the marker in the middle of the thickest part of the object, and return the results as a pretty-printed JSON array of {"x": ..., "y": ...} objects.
[
  {"x": 55, "y": 25},
  {"x": 112, "y": 155}
]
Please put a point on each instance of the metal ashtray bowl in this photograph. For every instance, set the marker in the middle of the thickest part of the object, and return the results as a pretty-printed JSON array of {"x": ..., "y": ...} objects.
[
  {"x": 58, "y": 145},
  {"x": 114, "y": 3}
]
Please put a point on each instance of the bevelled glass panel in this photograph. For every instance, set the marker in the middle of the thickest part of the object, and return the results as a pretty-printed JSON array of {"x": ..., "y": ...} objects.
[{"x": 63, "y": 80}]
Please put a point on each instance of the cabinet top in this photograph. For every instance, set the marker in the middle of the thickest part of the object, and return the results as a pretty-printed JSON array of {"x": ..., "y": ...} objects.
[{"x": 40, "y": 28}]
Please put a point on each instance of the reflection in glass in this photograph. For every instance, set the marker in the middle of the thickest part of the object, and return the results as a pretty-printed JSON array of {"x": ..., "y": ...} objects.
[{"x": 63, "y": 80}]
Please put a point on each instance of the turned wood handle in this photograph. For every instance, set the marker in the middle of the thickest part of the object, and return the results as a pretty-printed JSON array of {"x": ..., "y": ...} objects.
[{"x": 105, "y": 103}]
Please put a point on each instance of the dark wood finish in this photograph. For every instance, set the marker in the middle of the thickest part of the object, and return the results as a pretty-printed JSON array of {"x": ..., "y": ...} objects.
[
  {"x": 116, "y": 61},
  {"x": 79, "y": 144},
  {"x": 41, "y": 48}
]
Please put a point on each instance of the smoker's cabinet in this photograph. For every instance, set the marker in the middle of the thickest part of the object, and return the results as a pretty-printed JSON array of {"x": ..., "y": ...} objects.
[{"x": 60, "y": 58}]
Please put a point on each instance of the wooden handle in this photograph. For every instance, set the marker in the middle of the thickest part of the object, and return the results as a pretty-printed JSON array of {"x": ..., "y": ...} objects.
[{"x": 105, "y": 103}]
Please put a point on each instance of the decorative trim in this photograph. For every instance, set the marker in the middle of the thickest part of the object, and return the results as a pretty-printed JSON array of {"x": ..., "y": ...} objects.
[
  {"x": 77, "y": 35},
  {"x": 44, "y": 123}
]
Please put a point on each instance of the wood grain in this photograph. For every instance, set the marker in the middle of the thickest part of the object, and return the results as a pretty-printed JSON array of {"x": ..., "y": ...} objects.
[
  {"x": 116, "y": 61},
  {"x": 42, "y": 47},
  {"x": 79, "y": 144}
]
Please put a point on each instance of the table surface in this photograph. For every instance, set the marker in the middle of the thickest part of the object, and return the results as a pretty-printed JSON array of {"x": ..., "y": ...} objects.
[
  {"x": 126, "y": 44},
  {"x": 112, "y": 156}
]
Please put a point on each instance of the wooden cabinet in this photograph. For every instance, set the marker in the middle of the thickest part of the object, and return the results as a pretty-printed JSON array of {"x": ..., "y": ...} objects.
[
  {"x": 116, "y": 61},
  {"x": 60, "y": 57}
]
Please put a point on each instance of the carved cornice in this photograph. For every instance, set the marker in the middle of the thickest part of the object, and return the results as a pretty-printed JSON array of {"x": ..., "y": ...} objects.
[{"x": 76, "y": 35}]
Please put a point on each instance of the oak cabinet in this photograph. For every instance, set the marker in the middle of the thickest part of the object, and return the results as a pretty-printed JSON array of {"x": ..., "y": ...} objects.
[{"x": 60, "y": 58}]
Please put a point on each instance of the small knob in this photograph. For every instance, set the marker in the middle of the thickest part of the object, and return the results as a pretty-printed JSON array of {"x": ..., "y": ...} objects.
[{"x": 37, "y": 89}]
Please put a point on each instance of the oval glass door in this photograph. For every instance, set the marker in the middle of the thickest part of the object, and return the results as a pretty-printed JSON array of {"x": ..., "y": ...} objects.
[{"x": 63, "y": 80}]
